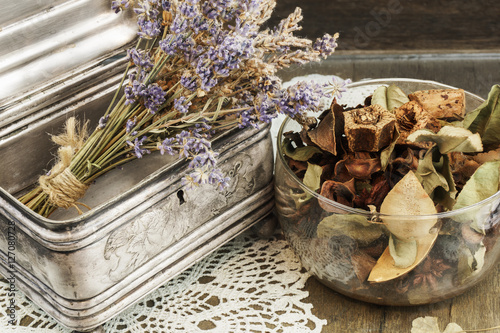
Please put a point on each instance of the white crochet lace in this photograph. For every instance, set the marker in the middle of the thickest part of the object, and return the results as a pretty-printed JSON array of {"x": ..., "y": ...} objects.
[{"x": 248, "y": 285}]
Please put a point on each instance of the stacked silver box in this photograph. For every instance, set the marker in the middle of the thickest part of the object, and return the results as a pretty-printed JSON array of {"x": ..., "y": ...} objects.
[{"x": 63, "y": 58}]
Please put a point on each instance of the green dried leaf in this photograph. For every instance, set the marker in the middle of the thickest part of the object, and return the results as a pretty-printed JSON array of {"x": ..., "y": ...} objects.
[
  {"x": 300, "y": 198},
  {"x": 351, "y": 225},
  {"x": 301, "y": 153},
  {"x": 450, "y": 139},
  {"x": 427, "y": 174},
  {"x": 380, "y": 97},
  {"x": 395, "y": 97},
  {"x": 312, "y": 177},
  {"x": 476, "y": 262},
  {"x": 385, "y": 154},
  {"x": 485, "y": 120},
  {"x": 445, "y": 197},
  {"x": 404, "y": 253},
  {"x": 471, "y": 262},
  {"x": 390, "y": 98},
  {"x": 483, "y": 184},
  {"x": 434, "y": 173}
]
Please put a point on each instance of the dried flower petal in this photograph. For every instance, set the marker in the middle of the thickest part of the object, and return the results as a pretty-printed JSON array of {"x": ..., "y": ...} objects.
[
  {"x": 342, "y": 193},
  {"x": 362, "y": 168}
]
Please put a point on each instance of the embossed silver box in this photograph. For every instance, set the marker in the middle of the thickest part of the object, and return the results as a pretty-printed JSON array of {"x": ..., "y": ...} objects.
[{"x": 144, "y": 227}]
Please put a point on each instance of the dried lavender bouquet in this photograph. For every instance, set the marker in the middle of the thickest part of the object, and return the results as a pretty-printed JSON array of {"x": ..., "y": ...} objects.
[{"x": 198, "y": 68}]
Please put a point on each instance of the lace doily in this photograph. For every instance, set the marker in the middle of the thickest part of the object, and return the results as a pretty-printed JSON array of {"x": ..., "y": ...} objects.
[{"x": 247, "y": 285}]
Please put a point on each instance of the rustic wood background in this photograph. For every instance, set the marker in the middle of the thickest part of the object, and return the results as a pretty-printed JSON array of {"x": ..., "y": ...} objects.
[
  {"x": 455, "y": 42},
  {"x": 403, "y": 25}
]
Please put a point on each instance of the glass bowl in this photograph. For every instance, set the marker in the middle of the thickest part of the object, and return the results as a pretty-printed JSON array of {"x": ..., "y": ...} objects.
[{"x": 343, "y": 255}]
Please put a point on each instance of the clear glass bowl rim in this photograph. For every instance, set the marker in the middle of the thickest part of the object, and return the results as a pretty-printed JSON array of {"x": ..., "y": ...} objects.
[{"x": 447, "y": 214}]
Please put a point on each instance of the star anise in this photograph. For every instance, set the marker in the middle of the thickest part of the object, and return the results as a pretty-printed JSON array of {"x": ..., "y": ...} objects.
[{"x": 429, "y": 272}]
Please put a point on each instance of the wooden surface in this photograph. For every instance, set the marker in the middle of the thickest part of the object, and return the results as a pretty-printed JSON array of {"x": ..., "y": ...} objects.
[
  {"x": 454, "y": 42},
  {"x": 401, "y": 24},
  {"x": 476, "y": 309}
]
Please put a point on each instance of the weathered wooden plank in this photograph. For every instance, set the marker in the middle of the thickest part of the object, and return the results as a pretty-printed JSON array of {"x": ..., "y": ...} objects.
[
  {"x": 401, "y": 24},
  {"x": 477, "y": 308}
]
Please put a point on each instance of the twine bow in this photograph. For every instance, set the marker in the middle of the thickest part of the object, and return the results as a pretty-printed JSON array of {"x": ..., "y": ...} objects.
[{"x": 63, "y": 188}]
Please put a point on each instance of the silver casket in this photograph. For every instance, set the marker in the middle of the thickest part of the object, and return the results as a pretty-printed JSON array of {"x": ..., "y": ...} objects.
[{"x": 60, "y": 58}]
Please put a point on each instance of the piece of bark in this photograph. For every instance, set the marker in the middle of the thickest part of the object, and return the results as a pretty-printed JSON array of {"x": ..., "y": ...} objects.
[
  {"x": 442, "y": 103},
  {"x": 411, "y": 117},
  {"x": 369, "y": 129}
]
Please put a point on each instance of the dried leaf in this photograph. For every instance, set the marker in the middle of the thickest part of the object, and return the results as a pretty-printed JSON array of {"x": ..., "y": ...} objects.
[
  {"x": 386, "y": 269},
  {"x": 390, "y": 98},
  {"x": 395, "y": 97},
  {"x": 428, "y": 175},
  {"x": 385, "y": 154},
  {"x": 324, "y": 134},
  {"x": 408, "y": 197},
  {"x": 453, "y": 328},
  {"x": 404, "y": 253},
  {"x": 301, "y": 153},
  {"x": 450, "y": 139},
  {"x": 476, "y": 262},
  {"x": 425, "y": 325},
  {"x": 312, "y": 177},
  {"x": 436, "y": 178},
  {"x": 380, "y": 97},
  {"x": 445, "y": 197},
  {"x": 485, "y": 120},
  {"x": 489, "y": 156},
  {"x": 483, "y": 184},
  {"x": 471, "y": 262},
  {"x": 430, "y": 325},
  {"x": 351, "y": 225}
]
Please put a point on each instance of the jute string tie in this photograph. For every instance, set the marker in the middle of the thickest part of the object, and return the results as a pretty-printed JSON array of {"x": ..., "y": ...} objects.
[{"x": 63, "y": 188}]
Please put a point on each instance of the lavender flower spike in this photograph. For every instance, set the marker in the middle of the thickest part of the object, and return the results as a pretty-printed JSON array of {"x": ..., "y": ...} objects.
[
  {"x": 138, "y": 151},
  {"x": 119, "y": 5},
  {"x": 182, "y": 105},
  {"x": 166, "y": 146},
  {"x": 326, "y": 45},
  {"x": 301, "y": 97},
  {"x": 103, "y": 121},
  {"x": 154, "y": 97}
]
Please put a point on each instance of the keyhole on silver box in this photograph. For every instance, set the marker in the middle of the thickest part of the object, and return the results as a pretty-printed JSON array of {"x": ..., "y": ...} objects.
[{"x": 180, "y": 195}]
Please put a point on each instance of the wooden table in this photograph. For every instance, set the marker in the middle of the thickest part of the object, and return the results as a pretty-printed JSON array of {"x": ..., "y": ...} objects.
[
  {"x": 478, "y": 308},
  {"x": 453, "y": 42}
]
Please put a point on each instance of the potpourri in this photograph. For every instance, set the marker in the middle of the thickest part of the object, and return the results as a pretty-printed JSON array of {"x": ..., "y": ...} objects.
[{"x": 395, "y": 156}]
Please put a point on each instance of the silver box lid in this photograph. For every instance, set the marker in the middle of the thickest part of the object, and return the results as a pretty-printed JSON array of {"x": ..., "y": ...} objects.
[{"x": 50, "y": 48}]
